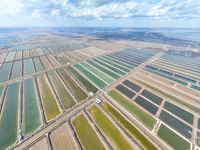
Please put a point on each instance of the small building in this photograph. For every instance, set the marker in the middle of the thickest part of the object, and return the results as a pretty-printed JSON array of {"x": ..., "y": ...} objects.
[
  {"x": 91, "y": 94},
  {"x": 98, "y": 101}
]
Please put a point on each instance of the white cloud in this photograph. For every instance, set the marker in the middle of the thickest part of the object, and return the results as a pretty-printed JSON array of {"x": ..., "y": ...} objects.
[
  {"x": 36, "y": 13},
  {"x": 102, "y": 9},
  {"x": 55, "y": 12},
  {"x": 10, "y": 7}
]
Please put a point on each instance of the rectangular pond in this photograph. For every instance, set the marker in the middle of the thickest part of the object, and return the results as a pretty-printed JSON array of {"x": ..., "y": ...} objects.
[
  {"x": 62, "y": 92},
  {"x": 120, "y": 56},
  {"x": 199, "y": 123},
  {"x": 50, "y": 105},
  {"x": 39, "y": 51},
  {"x": 5, "y": 71},
  {"x": 10, "y": 56},
  {"x": 109, "y": 67},
  {"x": 61, "y": 60},
  {"x": 28, "y": 67},
  {"x": 109, "y": 129},
  {"x": 194, "y": 108},
  {"x": 97, "y": 73},
  {"x": 129, "y": 127},
  {"x": 195, "y": 87},
  {"x": 38, "y": 65},
  {"x": 79, "y": 93},
  {"x": 56, "y": 49},
  {"x": 106, "y": 71},
  {"x": 9, "y": 117},
  {"x": 31, "y": 113},
  {"x": 172, "y": 138},
  {"x": 123, "y": 60},
  {"x": 89, "y": 86},
  {"x": 129, "y": 58},
  {"x": 45, "y": 62},
  {"x": 16, "y": 70},
  {"x": 146, "y": 104},
  {"x": 125, "y": 91},
  {"x": 176, "y": 124},
  {"x": 115, "y": 65},
  {"x": 154, "y": 98},
  {"x": 53, "y": 61},
  {"x": 119, "y": 62},
  {"x": 33, "y": 53},
  {"x": 167, "y": 77},
  {"x": 50, "y": 49},
  {"x": 185, "y": 115},
  {"x": 3, "y": 57},
  {"x": 86, "y": 133},
  {"x": 92, "y": 77},
  {"x": 144, "y": 117},
  {"x": 132, "y": 55},
  {"x": 46, "y": 52},
  {"x": 1, "y": 90},
  {"x": 132, "y": 85},
  {"x": 198, "y": 138},
  {"x": 62, "y": 138},
  {"x": 26, "y": 54},
  {"x": 18, "y": 55}
]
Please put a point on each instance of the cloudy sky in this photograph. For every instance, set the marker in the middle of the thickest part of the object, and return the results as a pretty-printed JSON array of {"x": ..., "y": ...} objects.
[{"x": 89, "y": 13}]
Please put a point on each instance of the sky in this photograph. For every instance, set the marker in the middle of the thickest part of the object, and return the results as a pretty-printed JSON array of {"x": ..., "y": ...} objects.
[{"x": 100, "y": 13}]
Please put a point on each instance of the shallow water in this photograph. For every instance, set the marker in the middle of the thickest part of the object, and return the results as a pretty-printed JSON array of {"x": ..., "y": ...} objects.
[
  {"x": 154, "y": 98},
  {"x": 93, "y": 78},
  {"x": 49, "y": 101},
  {"x": 89, "y": 86},
  {"x": 176, "y": 124},
  {"x": 4, "y": 72},
  {"x": 86, "y": 133},
  {"x": 125, "y": 91},
  {"x": 38, "y": 65},
  {"x": 31, "y": 118},
  {"x": 106, "y": 71},
  {"x": 9, "y": 117},
  {"x": 132, "y": 85},
  {"x": 28, "y": 67},
  {"x": 146, "y": 104},
  {"x": 188, "y": 117},
  {"x": 45, "y": 51},
  {"x": 63, "y": 94},
  {"x": 110, "y": 67},
  {"x": 172, "y": 138},
  {"x": 17, "y": 70},
  {"x": 61, "y": 60},
  {"x": 97, "y": 73},
  {"x": 10, "y": 56}
]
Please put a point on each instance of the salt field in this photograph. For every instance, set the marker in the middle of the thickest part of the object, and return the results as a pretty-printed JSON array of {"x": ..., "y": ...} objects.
[{"x": 89, "y": 91}]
